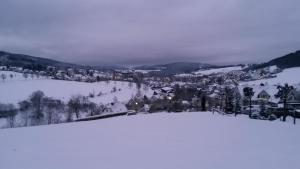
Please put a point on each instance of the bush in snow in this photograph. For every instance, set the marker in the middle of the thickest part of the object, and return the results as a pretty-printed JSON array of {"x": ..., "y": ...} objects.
[
  {"x": 25, "y": 75},
  {"x": 99, "y": 94},
  {"x": 114, "y": 89},
  {"x": 92, "y": 94},
  {"x": 3, "y": 77}
]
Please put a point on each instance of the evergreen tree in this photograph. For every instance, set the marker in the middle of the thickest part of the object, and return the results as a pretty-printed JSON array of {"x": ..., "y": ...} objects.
[
  {"x": 249, "y": 93},
  {"x": 284, "y": 92}
]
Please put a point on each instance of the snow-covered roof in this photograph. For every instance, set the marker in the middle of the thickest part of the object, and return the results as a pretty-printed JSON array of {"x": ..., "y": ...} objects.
[{"x": 167, "y": 88}]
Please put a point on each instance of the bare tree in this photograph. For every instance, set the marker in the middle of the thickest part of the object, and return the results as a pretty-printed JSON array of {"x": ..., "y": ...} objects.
[
  {"x": 52, "y": 107},
  {"x": 76, "y": 103},
  {"x": 12, "y": 112},
  {"x": 92, "y": 107},
  {"x": 130, "y": 85},
  {"x": 36, "y": 100},
  {"x": 24, "y": 107},
  {"x": 237, "y": 103},
  {"x": 229, "y": 97},
  {"x": 9, "y": 111}
]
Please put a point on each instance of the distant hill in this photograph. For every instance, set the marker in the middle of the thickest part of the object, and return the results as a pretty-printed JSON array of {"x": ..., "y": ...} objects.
[
  {"x": 38, "y": 63},
  {"x": 287, "y": 61},
  {"x": 173, "y": 68},
  {"x": 31, "y": 62}
]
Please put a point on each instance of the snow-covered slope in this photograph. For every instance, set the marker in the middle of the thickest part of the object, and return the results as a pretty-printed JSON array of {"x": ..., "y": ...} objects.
[
  {"x": 218, "y": 70},
  {"x": 18, "y": 89},
  {"x": 160, "y": 141},
  {"x": 291, "y": 76}
]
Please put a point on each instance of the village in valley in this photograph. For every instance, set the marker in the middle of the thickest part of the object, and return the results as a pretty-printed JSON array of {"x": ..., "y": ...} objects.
[
  {"x": 259, "y": 93},
  {"x": 149, "y": 84}
]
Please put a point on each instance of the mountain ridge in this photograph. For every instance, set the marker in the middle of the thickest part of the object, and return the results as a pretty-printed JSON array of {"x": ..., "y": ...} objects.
[{"x": 28, "y": 61}]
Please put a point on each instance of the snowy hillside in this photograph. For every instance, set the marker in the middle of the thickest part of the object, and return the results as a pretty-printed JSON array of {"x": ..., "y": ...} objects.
[
  {"x": 160, "y": 141},
  {"x": 18, "y": 89},
  {"x": 291, "y": 76},
  {"x": 218, "y": 70}
]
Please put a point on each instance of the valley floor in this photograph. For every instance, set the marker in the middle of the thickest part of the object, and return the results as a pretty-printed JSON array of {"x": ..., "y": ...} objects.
[{"x": 160, "y": 141}]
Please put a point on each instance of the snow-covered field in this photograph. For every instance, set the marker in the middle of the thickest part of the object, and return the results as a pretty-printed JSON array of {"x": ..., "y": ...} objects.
[
  {"x": 218, "y": 70},
  {"x": 18, "y": 89},
  {"x": 146, "y": 71},
  {"x": 16, "y": 76},
  {"x": 291, "y": 76},
  {"x": 160, "y": 141}
]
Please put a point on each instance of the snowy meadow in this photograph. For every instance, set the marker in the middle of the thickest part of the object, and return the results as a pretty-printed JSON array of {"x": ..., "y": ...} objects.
[{"x": 161, "y": 140}]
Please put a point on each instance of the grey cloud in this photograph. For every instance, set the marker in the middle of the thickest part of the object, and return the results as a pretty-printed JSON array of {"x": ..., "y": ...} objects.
[{"x": 156, "y": 31}]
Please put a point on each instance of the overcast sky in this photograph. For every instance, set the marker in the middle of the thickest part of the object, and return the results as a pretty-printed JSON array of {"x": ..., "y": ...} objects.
[{"x": 151, "y": 31}]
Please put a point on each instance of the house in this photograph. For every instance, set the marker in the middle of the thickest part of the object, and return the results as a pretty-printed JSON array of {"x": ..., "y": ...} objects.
[
  {"x": 292, "y": 103},
  {"x": 167, "y": 90},
  {"x": 263, "y": 94}
]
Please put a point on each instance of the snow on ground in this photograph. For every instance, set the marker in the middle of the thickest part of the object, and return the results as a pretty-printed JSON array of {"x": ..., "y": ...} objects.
[
  {"x": 160, "y": 141},
  {"x": 17, "y": 90},
  {"x": 146, "y": 71},
  {"x": 291, "y": 76},
  {"x": 218, "y": 70},
  {"x": 186, "y": 75}
]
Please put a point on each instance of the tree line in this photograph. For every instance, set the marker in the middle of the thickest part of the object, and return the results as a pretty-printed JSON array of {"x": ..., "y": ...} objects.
[{"x": 38, "y": 109}]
